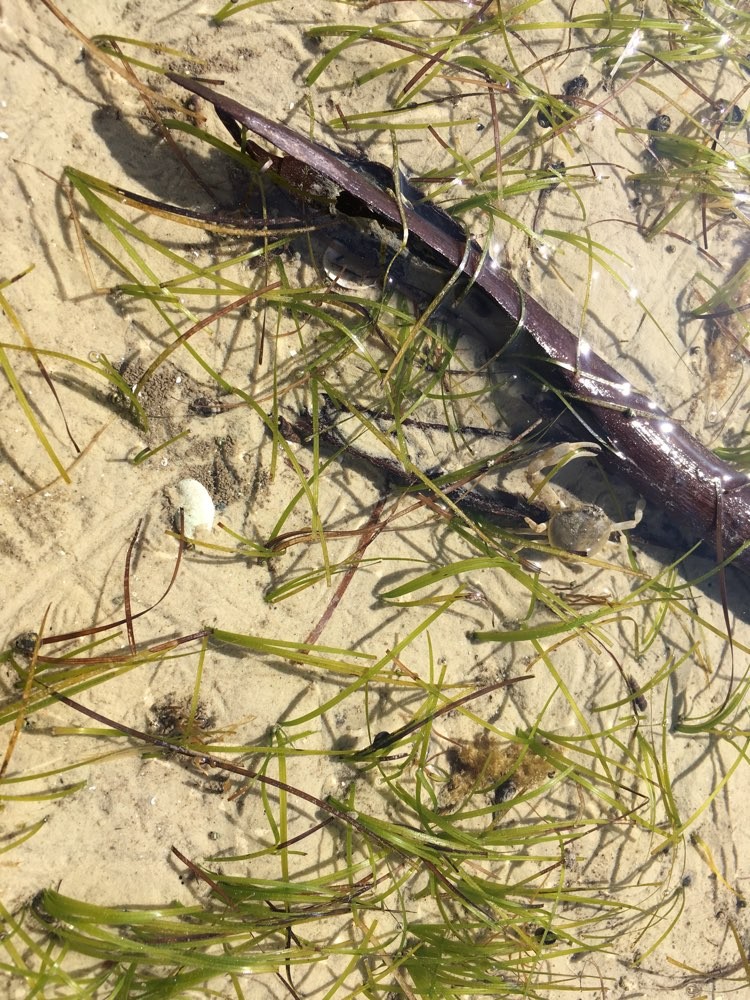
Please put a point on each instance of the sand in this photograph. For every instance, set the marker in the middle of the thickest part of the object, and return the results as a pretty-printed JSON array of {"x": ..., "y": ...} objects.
[{"x": 63, "y": 546}]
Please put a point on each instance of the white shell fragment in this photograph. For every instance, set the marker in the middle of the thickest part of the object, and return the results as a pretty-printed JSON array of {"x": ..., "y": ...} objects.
[{"x": 197, "y": 505}]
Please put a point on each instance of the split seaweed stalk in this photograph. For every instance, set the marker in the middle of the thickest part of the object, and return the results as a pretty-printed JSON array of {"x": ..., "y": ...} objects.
[{"x": 673, "y": 470}]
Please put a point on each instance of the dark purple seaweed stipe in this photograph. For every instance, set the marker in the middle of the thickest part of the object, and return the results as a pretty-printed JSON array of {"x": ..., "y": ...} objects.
[{"x": 672, "y": 470}]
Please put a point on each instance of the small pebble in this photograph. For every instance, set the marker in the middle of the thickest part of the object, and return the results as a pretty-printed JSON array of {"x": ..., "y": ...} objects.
[
  {"x": 25, "y": 643},
  {"x": 545, "y": 936},
  {"x": 660, "y": 123},
  {"x": 732, "y": 115},
  {"x": 544, "y": 118},
  {"x": 575, "y": 87},
  {"x": 555, "y": 170}
]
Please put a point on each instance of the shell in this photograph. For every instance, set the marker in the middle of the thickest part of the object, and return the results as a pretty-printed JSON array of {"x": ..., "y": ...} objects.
[{"x": 197, "y": 505}]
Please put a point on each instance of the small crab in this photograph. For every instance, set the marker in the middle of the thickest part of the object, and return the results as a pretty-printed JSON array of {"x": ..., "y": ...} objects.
[{"x": 572, "y": 525}]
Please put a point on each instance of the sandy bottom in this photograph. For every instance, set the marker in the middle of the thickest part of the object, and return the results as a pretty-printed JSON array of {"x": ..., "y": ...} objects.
[{"x": 64, "y": 546}]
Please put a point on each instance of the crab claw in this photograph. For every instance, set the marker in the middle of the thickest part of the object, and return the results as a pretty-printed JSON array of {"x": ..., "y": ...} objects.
[{"x": 559, "y": 454}]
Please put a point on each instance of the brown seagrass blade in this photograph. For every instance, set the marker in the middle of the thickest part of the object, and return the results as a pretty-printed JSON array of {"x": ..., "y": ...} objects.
[{"x": 656, "y": 455}]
